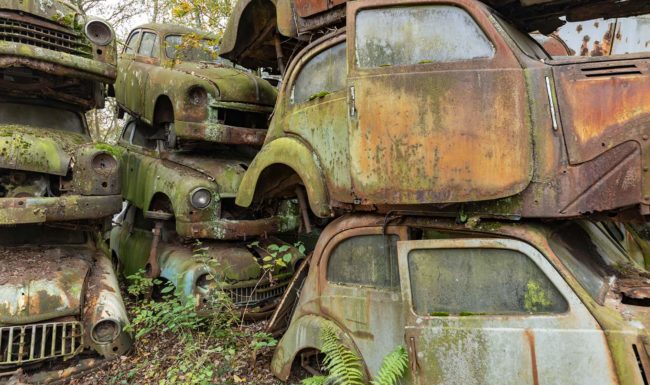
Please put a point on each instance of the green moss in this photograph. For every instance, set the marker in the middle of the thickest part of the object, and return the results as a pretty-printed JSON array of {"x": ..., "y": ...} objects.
[
  {"x": 535, "y": 298},
  {"x": 469, "y": 313},
  {"x": 319, "y": 95},
  {"x": 113, "y": 150},
  {"x": 439, "y": 314}
]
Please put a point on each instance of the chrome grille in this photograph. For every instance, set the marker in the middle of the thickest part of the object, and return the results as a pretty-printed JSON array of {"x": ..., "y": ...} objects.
[
  {"x": 252, "y": 295},
  {"x": 19, "y": 31},
  {"x": 28, "y": 343}
]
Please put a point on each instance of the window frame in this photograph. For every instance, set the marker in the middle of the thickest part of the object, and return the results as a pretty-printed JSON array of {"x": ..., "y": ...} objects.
[
  {"x": 323, "y": 262},
  {"x": 328, "y": 46},
  {"x": 137, "y": 41},
  {"x": 156, "y": 37},
  {"x": 502, "y": 57},
  {"x": 541, "y": 261},
  {"x": 320, "y": 45}
]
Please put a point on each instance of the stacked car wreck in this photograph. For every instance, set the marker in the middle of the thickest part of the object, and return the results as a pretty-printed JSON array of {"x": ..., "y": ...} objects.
[
  {"x": 457, "y": 133},
  {"x": 58, "y": 293},
  {"x": 196, "y": 124}
]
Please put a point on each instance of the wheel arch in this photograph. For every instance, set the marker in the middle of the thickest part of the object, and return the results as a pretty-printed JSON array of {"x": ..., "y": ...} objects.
[
  {"x": 304, "y": 334},
  {"x": 297, "y": 157},
  {"x": 163, "y": 110}
]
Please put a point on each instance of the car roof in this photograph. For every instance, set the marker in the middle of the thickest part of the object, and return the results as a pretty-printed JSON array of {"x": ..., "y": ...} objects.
[{"x": 167, "y": 29}]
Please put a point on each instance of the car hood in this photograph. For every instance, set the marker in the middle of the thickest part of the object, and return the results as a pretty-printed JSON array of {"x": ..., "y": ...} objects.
[
  {"x": 227, "y": 173},
  {"x": 38, "y": 150},
  {"x": 57, "y": 11},
  {"x": 38, "y": 284},
  {"x": 234, "y": 85}
]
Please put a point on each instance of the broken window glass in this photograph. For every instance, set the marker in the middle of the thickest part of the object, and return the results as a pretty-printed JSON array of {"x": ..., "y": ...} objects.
[
  {"x": 365, "y": 260},
  {"x": 323, "y": 74},
  {"x": 399, "y": 36},
  {"x": 479, "y": 281}
]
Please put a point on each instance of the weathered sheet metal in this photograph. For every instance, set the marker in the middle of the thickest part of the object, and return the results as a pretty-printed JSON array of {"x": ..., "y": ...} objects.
[
  {"x": 193, "y": 98},
  {"x": 202, "y": 270},
  {"x": 566, "y": 135},
  {"x": 49, "y": 49},
  {"x": 373, "y": 320}
]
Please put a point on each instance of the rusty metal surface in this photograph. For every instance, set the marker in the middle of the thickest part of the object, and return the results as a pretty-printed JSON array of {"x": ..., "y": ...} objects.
[{"x": 469, "y": 338}]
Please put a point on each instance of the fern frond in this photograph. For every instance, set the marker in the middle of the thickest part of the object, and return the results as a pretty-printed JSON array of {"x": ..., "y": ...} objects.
[
  {"x": 392, "y": 368},
  {"x": 315, "y": 380},
  {"x": 344, "y": 365}
]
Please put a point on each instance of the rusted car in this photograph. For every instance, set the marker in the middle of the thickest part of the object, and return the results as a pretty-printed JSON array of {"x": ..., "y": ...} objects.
[
  {"x": 199, "y": 270},
  {"x": 48, "y": 49},
  {"x": 59, "y": 299},
  {"x": 50, "y": 170},
  {"x": 383, "y": 118},
  {"x": 490, "y": 303},
  {"x": 183, "y": 90}
]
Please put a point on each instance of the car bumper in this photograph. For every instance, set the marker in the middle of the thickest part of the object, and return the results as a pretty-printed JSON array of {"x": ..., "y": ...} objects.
[
  {"x": 219, "y": 133},
  {"x": 15, "y": 211},
  {"x": 225, "y": 229},
  {"x": 56, "y": 63}
]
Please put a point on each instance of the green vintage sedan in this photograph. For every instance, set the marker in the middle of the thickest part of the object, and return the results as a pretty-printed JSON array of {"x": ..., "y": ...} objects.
[{"x": 171, "y": 79}]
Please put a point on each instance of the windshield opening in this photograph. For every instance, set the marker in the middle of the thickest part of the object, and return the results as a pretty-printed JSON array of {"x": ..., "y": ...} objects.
[
  {"x": 47, "y": 118},
  {"x": 592, "y": 256},
  {"x": 40, "y": 235}
]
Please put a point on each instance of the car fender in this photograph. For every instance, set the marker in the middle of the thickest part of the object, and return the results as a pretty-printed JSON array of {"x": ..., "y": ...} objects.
[
  {"x": 304, "y": 333},
  {"x": 292, "y": 153}
]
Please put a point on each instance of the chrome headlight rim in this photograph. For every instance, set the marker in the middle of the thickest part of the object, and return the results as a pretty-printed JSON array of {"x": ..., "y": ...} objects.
[
  {"x": 114, "y": 336},
  {"x": 95, "y": 37},
  {"x": 201, "y": 190}
]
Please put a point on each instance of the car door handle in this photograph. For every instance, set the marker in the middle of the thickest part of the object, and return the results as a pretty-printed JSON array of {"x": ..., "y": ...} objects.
[{"x": 413, "y": 356}]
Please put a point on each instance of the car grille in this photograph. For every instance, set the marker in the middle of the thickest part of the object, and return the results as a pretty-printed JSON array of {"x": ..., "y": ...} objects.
[
  {"x": 252, "y": 295},
  {"x": 29, "y": 343},
  {"x": 20, "y": 31}
]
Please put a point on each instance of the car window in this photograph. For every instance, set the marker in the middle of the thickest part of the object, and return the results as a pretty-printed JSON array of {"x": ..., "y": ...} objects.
[
  {"x": 143, "y": 136},
  {"x": 367, "y": 260},
  {"x": 43, "y": 117},
  {"x": 324, "y": 73},
  {"x": 132, "y": 43},
  {"x": 128, "y": 131},
  {"x": 468, "y": 281},
  {"x": 148, "y": 44},
  {"x": 398, "y": 36}
]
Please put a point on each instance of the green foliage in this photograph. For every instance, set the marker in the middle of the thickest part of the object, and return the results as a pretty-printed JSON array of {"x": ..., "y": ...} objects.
[
  {"x": 344, "y": 366},
  {"x": 278, "y": 256},
  {"x": 535, "y": 298},
  {"x": 392, "y": 368},
  {"x": 262, "y": 340}
]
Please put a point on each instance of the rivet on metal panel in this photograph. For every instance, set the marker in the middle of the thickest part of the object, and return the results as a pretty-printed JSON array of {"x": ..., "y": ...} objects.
[{"x": 645, "y": 137}]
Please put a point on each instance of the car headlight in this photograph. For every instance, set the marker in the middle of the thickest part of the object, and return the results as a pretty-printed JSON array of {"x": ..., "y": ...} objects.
[
  {"x": 105, "y": 331},
  {"x": 104, "y": 163},
  {"x": 198, "y": 96},
  {"x": 200, "y": 198},
  {"x": 99, "y": 32}
]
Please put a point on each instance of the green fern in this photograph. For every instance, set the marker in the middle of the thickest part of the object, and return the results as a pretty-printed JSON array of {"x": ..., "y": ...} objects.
[
  {"x": 344, "y": 365},
  {"x": 393, "y": 367},
  {"x": 315, "y": 380}
]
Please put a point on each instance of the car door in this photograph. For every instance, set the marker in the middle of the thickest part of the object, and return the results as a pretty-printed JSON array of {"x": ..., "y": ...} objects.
[
  {"x": 495, "y": 311},
  {"x": 359, "y": 289},
  {"x": 122, "y": 88},
  {"x": 139, "y": 161},
  {"x": 146, "y": 59},
  {"x": 134, "y": 241},
  {"x": 317, "y": 112},
  {"x": 438, "y": 104}
]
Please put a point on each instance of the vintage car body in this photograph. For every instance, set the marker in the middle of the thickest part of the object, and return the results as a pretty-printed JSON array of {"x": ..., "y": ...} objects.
[
  {"x": 190, "y": 95},
  {"x": 166, "y": 180},
  {"x": 49, "y": 50},
  {"x": 400, "y": 130},
  {"x": 488, "y": 303},
  {"x": 50, "y": 170},
  {"x": 266, "y": 33},
  {"x": 198, "y": 270},
  {"x": 59, "y": 297}
]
